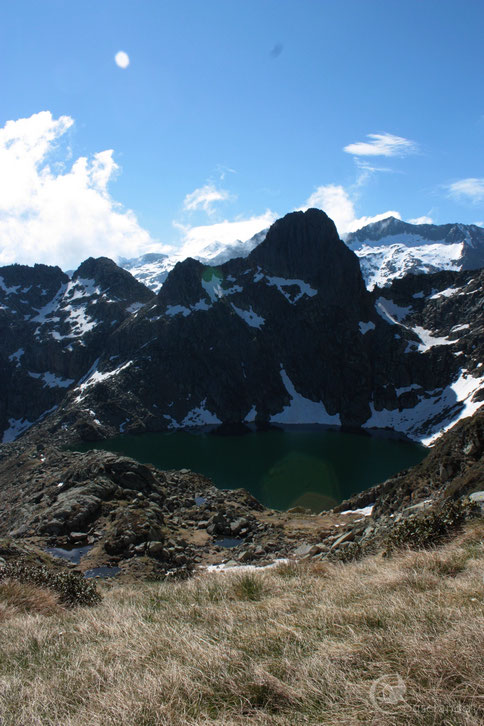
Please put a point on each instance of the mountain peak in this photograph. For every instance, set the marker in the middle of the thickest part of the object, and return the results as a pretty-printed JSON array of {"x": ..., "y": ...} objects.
[{"x": 109, "y": 276}]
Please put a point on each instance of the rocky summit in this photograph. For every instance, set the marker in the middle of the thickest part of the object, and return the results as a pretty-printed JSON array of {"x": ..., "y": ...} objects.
[{"x": 288, "y": 334}]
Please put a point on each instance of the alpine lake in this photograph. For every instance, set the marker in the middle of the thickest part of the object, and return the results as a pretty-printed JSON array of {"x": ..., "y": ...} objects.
[{"x": 301, "y": 465}]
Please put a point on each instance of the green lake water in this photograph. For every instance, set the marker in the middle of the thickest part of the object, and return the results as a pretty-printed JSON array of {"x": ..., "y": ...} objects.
[{"x": 283, "y": 468}]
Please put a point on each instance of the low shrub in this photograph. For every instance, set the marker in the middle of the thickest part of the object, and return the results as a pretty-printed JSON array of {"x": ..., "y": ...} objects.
[
  {"x": 432, "y": 527},
  {"x": 72, "y": 589}
]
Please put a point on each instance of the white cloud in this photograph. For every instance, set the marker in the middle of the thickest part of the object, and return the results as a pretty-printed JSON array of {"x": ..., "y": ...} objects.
[
  {"x": 121, "y": 59},
  {"x": 204, "y": 198},
  {"x": 337, "y": 203},
  {"x": 60, "y": 213},
  {"x": 471, "y": 188},
  {"x": 382, "y": 145},
  {"x": 421, "y": 220},
  {"x": 197, "y": 239}
]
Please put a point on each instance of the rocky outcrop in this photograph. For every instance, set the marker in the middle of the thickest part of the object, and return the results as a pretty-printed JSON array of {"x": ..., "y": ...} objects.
[{"x": 99, "y": 509}]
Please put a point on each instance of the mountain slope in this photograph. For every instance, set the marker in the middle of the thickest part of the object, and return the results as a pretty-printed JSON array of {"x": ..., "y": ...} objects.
[
  {"x": 288, "y": 334},
  {"x": 392, "y": 248},
  {"x": 52, "y": 329}
]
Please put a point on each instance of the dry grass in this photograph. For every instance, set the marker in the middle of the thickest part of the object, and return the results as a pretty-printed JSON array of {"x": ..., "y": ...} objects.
[
  {"x": 302, "y": 645},
  {"x": 16, "y": 597}
]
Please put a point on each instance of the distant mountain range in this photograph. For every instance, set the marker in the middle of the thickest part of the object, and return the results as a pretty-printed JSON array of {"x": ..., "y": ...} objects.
[
  {"x": 387, "y": 249},
  {"x": 390, "y": 248},
  {"x": 152, "y": 269},
  {"x": 288, "y": 334}
]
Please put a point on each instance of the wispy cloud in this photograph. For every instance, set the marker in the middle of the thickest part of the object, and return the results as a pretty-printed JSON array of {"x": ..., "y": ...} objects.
[
  {"x": 196, "y": 240},
  {"x": 59, "y": 213},
  {"x": 471, "y": 188},
  {"x": 421, "y": 220},
  {"x": 382, "y": 145},
  {"x": 338, "y": 204},
  {"x": 205, "y": 198}
]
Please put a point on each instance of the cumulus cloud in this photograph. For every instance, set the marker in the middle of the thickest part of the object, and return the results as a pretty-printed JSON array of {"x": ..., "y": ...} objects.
[
  {"x": 421, "y": 220},
  {"x": 204, "y": 198},
  {"x": 382, "y": 145},
  {"x": 59, "y": 213},
  {"x": 121, "y": 59},
  {"x": 195, "y": 240},
  {"x": 337, "y": 203},
  {"x": 471, "y": 188}
]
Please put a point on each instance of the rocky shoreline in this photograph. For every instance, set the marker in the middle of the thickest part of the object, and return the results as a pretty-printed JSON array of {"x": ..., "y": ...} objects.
[{"x": 148, "y": 523}]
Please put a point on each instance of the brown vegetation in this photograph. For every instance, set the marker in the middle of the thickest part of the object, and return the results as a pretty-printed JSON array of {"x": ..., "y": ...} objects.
[{"x": 383, "y": 641}]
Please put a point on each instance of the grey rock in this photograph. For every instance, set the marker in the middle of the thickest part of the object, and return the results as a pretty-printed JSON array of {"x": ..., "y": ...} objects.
[
  {"x": 346, "y": 537},
  {"x": 306, "y": 550},
  {"x": 238, "y": 525}
]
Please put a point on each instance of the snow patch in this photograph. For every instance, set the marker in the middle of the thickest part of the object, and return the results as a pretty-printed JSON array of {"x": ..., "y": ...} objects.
[
  {"x": 8, "y": 290},
  {"x": 364, "y": 511},
  {"x": 251, "y": 416},
  {"x": 16, "y": 427},
  {"x": 435, "y": 412},
  {"x": 389, "y": 311},
  {"x": 428, "y": 340},
  {"x": 365, "y": 327},
  {"x": 449, "y": 292},
  {"x": 16, "y": 356},
  {"x": 200, "y": 416},
  {"x": 172, "y": 310},
  {"x": 281, "y": 283},
  {"x": 134, "y": 307},
  {"x": 249, "y": 316},
  {"x": 303, "y": 410},
  {"x": 213, "y": 287},
  {"x": 96, "y": 377},
  {"x": 223, "y": 567}
]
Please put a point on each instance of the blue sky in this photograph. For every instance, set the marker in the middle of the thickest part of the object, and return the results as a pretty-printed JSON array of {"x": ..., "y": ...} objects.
[{"x": 230, "y": 113}]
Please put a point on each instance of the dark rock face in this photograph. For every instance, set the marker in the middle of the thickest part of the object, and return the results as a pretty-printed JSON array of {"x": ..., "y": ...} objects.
[
  {"x": 306, "y": 245},
  {"x": 287, "y": 335},
  {"x": 52, "y": 329}
]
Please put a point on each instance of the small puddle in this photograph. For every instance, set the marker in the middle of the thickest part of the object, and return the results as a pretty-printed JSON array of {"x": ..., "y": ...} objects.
[
  {"x": 228, "y": 542},
  {"x": 200, "y": 500},
  {"x": 73, "y": 555},
  {"x": 102, "y": 572}
]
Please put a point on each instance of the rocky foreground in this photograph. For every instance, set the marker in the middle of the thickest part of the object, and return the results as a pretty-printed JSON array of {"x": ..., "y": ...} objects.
[{"x": 137, "y": 521}]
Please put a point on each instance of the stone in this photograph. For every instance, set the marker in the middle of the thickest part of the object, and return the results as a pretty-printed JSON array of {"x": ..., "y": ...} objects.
[
  {"x": 156, "y": 549},
  {"x": 346, "y": 537},
  {"x": 238, "y": 525},
  {"x": 78, "y": 536},
  {"x": 306, "y": 550},
  {"x": 478, "y": 498}
]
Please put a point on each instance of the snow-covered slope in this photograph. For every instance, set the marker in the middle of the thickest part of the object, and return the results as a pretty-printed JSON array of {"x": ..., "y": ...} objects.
[
  {"x": 391, "y": 248},
  {"x": 152, "y": 269},
  {"x": 387, "y": 249}
]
